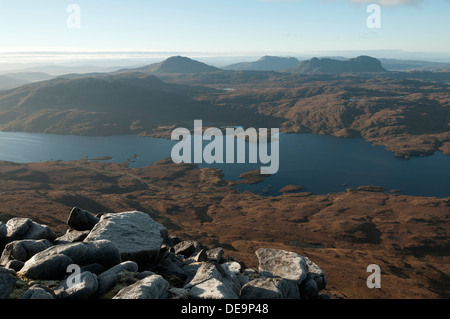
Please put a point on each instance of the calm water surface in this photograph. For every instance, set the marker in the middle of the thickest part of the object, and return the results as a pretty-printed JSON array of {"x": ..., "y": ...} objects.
[{"x": 321, "y": 164}]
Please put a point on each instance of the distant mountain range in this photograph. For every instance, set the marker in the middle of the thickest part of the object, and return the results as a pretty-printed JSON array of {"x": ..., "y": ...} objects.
[
  {"x": 357, "y": 65},
  {"x": 266, "y": 63},
  {"x": 315, "y": 96}
]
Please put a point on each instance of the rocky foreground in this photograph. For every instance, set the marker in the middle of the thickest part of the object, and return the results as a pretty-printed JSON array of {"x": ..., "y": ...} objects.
[{"x": 130, "y": 256}]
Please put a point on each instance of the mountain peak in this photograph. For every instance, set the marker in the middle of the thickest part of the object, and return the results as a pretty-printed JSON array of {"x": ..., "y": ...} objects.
[
  {"x": 359, "y": 64},
  {"x": 178, "y": 64}
]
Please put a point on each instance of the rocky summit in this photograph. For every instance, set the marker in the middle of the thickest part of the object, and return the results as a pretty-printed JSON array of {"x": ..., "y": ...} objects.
[{"x": 128, "y": 255}]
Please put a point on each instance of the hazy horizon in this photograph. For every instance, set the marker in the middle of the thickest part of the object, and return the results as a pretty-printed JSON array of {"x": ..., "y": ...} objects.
[{"x": 64, "y": 32}]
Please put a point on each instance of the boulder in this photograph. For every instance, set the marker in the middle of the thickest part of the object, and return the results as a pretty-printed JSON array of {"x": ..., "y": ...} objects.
[
  {"x": 17, "y": 228},
  {"x": 137, "y": 236},
  {"x": 215, "y": 254},
  {"x": 232, "y": 267},
  {"x": 25, "y": 228},
  {"x": 38, "y": 231},
  {"x": 39, "y": 292},
  {"x": 210, "y": 283},
  {"x": 7, "y": 284},
  {"x": 84, "y": 289},
  {"x": 108, "y": 279},
  {"x": 71, "y": 236},
  {"x": 283, "y": 264},
  {"x": 314, "y": 272},
  {"x": 309, "y": 289},
  {"x": 52, "y": 263},
  {"x": 151, "y": 287},
  {"x": 270, "y": 288},
  {"x": 22, "y": 250},
  {"x": 187, "y": 248},
  {"x": 46, "y": 267},
  {"x": 81, "y": 220}
]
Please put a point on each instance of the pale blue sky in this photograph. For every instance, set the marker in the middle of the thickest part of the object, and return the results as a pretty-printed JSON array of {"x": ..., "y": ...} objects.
[{"x": 225, "y": 25}]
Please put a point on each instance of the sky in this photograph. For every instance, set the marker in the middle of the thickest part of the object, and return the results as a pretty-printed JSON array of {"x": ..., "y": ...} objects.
[{"x": 224, "y": 26}]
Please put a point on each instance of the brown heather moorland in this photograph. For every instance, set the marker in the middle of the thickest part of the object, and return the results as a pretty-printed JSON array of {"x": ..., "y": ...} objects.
[{"x": 344, "y": 233}]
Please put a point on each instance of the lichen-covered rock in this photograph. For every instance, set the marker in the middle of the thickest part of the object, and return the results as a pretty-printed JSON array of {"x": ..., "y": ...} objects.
[
  {"x": 215, "y": 254},
  {"x": 281, "y": 263},
  {"x": 137, "y": 236},
  {"x": 22, "y": 250},
  {"x": 151, "y": 287},
  {"x": 210, "y": 283},
  {"x": 84, "y": 289}
]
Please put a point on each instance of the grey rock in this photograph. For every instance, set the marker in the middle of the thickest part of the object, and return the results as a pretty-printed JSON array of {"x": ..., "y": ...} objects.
[
  {"x": 232, "y": 267},
  {"x": 187, "y": 248},
  {"x": 137, "y": 236},
  {"x": 39, "y": 292},
  {"x": 108, "y": 279},
  {"x": 168, "y": 267},
  {"x": 14, "y": 265},
  {"x": 151, "y": 287},
  {"x": 103, "y": 252},
  {"x": 80, "y": 219},
  {"x": 52, "y": 263},
  {"x": 210, "y": 283},
  {"x": 17, "y": 228},
  {"x": 308, "y": 289},
  {"x": 281, "y": 263},
  {"x": 270, "y": 288},
  {"x": 22, "y": 250},
  {"x": 71, "y": 236},
  {"x": 315, "y": 273},
  {"x": 7, "y": 284},
  {"x": 24, "y": 228},
  {"x": 191, "y": 270},
  {"x": 178, "y": 293},
  {"x": 38, "y": 231},
  {"x": 46, "y": 267},
  {"x": 200, "y": 256},
  {"x": 84, "y": 289},
  {"x": 215, "y": 254}
]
